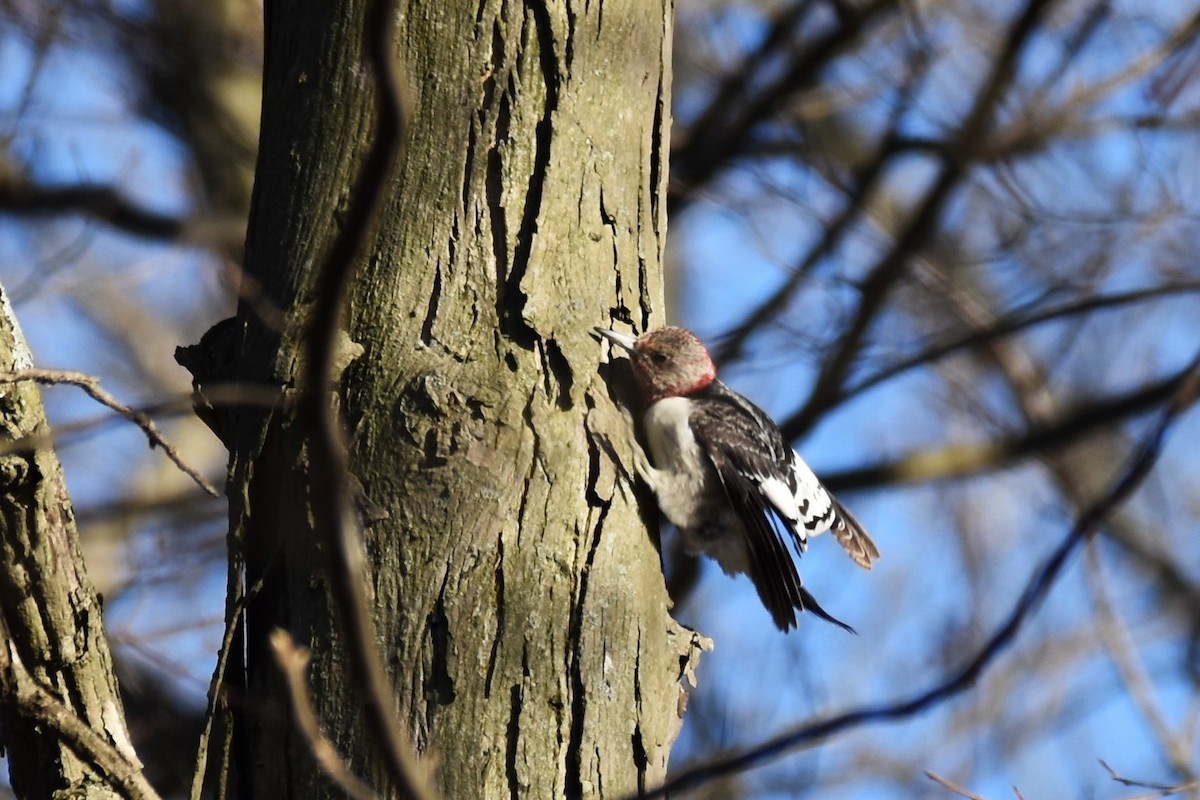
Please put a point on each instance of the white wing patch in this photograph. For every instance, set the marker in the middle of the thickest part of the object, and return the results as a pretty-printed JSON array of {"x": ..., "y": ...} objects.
[
  {"x": 813, "y": 501},
  {"x": 779, "y": 495}
]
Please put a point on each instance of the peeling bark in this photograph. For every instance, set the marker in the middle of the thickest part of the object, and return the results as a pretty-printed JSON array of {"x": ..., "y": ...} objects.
[{"x": 520, "y": 600}]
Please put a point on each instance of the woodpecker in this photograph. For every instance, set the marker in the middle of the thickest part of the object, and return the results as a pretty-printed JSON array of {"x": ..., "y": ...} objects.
[{"x": 725, "y": 476}]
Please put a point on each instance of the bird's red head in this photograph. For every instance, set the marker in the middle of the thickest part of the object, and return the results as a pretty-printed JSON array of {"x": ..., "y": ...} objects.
[{"x": 668, "y": 362}]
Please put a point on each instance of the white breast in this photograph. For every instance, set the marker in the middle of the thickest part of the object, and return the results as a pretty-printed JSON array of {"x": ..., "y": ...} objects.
[{"x": 681, "y": 469}]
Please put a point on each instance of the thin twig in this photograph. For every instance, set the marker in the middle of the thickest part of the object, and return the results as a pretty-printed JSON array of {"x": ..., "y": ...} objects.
[
  {"x": 1119, "y": 778},
  {"x": 91, "y": 385},
  {"x": 952, "y": 786},
  {"x": 223, "y": 395},
  {"x": 1191, "y": 786},
  {"x": 236, "y": 601},
  {"x": 1158, "y": 789},
  {"x": 1137, "y": 467},
  {"x": 293, "y": 663}
]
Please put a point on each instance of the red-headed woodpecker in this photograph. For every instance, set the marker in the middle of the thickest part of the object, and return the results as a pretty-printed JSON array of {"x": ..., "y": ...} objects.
[{"x": 725, "y": 476}]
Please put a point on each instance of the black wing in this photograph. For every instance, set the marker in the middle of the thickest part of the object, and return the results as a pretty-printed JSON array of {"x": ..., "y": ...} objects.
[
  {"x": 723, "y": 422},
  {"x": 772, "y": 569}
]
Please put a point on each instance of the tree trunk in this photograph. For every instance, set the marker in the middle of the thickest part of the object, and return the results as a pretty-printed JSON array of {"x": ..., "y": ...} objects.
[
  {"x": 56, "y": 671},
  {"x": 519, "y": 598}
]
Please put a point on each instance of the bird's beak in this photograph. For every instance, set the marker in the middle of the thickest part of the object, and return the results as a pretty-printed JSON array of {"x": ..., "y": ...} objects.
[{"x": 621, "y": 339}]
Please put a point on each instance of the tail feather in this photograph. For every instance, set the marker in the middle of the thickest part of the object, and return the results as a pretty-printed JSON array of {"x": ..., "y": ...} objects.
[
  {"x": 853, "y": 537},
  {"x": 811, "y": 605}
]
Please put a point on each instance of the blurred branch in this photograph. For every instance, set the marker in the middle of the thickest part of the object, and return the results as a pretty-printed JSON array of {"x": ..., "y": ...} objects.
[
  {"x": 736, "y": 85},
  {"x": 1032, "y": 130},
  {"x": 1136, "y": 469},
  {"x": 1166, "y": 573},
  {"x": 1070, "y": 470},
  {"x": 722, "y": 130},
  {"x": 862, "y": 185},
  {"x": 185, "y": 501},
  {"x": 959, "y": 460},
  {"x": 1015, "y": 323},
  {"x": 293, "y": 663},
  {"x": 1119, "y": 646},
  {"x": 92, "y": 386},
  {"x": 888, "y": 270},
  {"x": 108, "y": 205}
]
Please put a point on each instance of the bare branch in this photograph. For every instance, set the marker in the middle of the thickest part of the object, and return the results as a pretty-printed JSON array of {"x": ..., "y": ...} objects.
[
  {"x": 725, "y": 130},
  {"x": 108, "y": 205},
  {"x": 1160, "y": 789},
  {"x": 960, "y": 460},
  {"x": 92, "y": 386},
  {"x": 1121, "y": 651},
  {"x": 952, "y": 786},
  {"x": 731, "y": 343},
  {"x": 1016, "y": 323},
  {"x": 40, "y": 703},
  {"x": 888, "y": 270}
]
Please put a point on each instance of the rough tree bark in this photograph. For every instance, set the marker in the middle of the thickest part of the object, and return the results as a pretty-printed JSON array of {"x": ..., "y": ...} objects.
[
  {"x": 520, "y": 602},
  {"x": 57, "y": 685}
]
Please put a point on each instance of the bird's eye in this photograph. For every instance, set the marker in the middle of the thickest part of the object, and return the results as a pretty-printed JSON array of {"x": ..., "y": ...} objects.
[{"x": 658, "y": 358}]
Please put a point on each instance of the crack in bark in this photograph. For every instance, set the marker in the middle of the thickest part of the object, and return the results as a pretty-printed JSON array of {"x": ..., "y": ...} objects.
[
  {"x": 510, "y": 297},
  {"x": 640, "y": 759},
  {"x": 435, "y": 295},
  {"x": 569, "y": 49},
  {"x": 620, "y": 310},
  {"x": 439, "y": 685},
  {"x": 522, "y": 506},
  {"x": 513, "y": 730},
  {"x": 593, "y": 444},
  {"x": 494, "y": 173},
  {"x": 658, "y": 135},
  {"x": 498, "y": 574},
  {"x": 494, "y": 190},
  {"x": 555, "y": 365},
  {"x": 645, "y": 303},
  {"x": 573, "y": 780}
]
